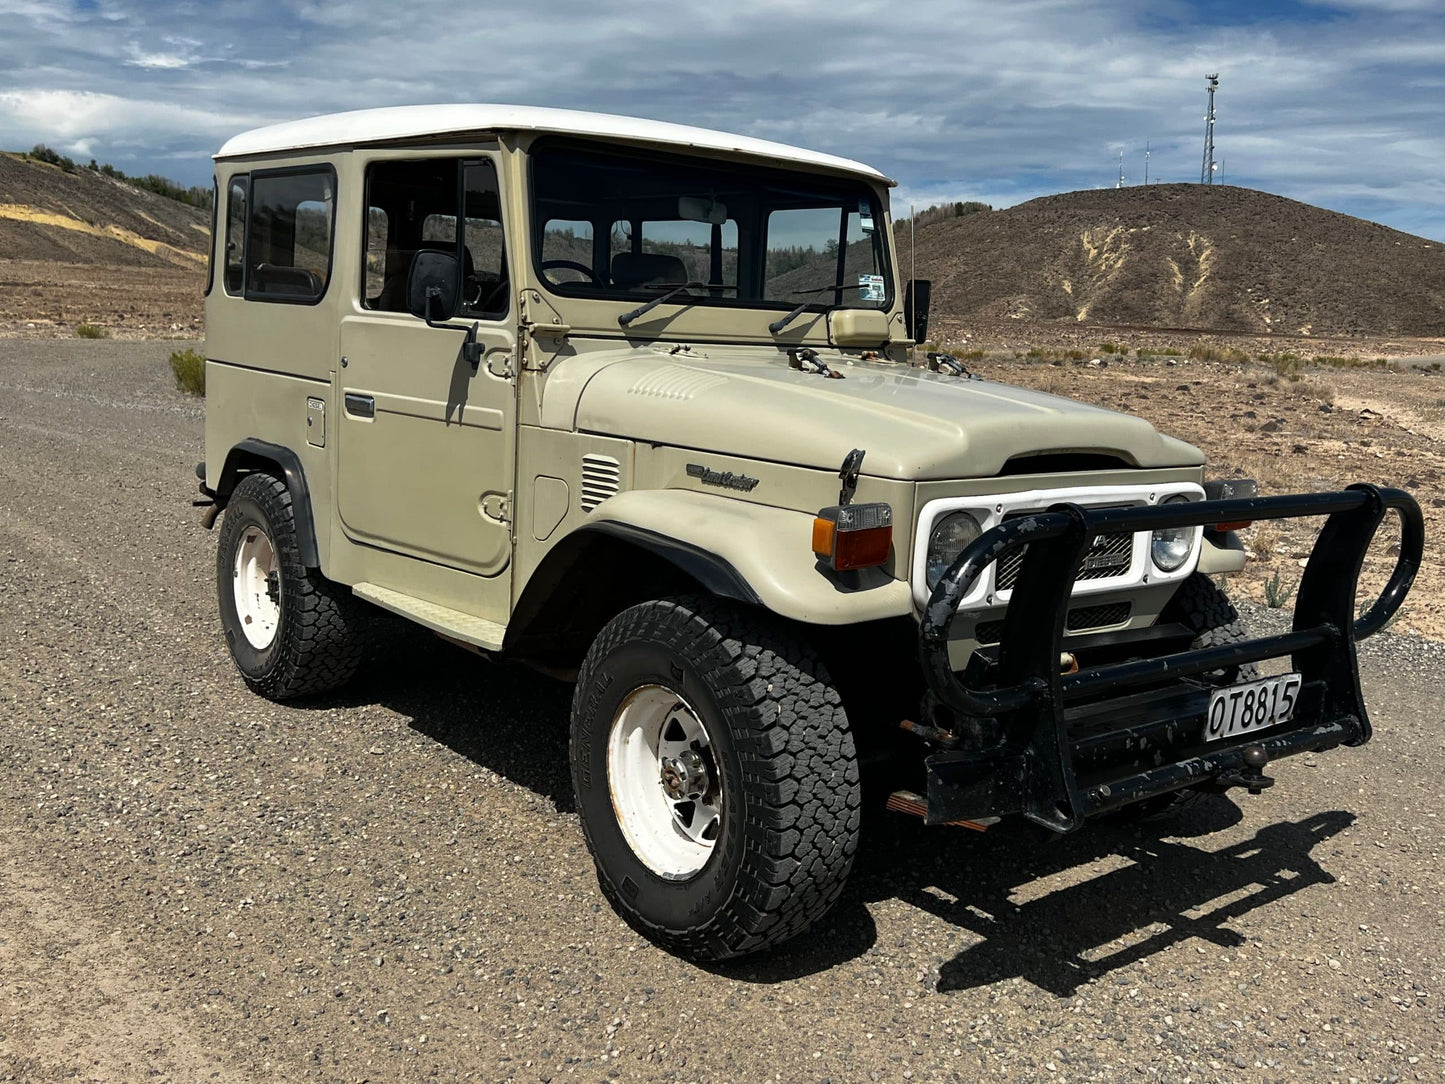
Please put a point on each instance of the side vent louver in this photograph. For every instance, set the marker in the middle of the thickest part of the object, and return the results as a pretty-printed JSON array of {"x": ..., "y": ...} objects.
[{"x": 601, "y": 478}]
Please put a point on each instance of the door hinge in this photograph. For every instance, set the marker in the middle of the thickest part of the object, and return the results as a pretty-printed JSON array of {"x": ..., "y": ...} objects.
[
  {"x": 541, "y": 326},
  {"x": 497, "y": 507}
]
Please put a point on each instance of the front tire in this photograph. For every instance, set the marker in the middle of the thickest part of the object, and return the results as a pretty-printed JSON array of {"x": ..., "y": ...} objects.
[
  {"x": 715, "y": 775},
  {"x": 291, "y": 631}
]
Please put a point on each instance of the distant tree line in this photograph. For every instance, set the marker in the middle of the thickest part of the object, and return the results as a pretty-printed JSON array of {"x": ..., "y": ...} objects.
[
  {"x": 196, "y": 196},
  {"x": 941, "y": 211}
]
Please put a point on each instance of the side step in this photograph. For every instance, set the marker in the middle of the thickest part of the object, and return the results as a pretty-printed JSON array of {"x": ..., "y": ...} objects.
[{"x": 444, "y": 621}]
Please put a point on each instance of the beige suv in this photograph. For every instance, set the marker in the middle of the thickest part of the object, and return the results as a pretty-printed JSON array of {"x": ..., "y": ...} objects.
[{"x": 632, "y": 402}]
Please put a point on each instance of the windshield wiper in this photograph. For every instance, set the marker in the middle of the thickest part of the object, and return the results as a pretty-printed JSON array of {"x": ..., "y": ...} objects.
[
  {"x": 673, "y": 289},
  {"x": 783, "y": 321}
]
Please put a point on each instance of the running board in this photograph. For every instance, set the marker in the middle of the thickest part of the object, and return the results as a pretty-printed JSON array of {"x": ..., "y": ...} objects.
[{"x": 442, "y": 620}]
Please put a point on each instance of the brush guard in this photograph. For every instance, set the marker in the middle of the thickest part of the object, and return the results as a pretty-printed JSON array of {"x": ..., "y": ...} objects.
[{"x": 1060, "y": 748}]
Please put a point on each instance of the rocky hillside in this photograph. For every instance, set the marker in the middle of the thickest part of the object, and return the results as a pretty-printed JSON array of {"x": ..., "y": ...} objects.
[
  {"x": 1184, "y": 256},
  {"x": 86, "y": 218}
]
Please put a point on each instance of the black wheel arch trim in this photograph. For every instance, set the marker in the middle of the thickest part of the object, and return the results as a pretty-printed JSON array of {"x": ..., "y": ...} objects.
[
  {"x": 254, "y": 454},
  {"x": 558, "y": 570}
]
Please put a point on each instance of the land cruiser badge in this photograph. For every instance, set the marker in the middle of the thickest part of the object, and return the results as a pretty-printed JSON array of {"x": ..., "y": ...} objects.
[{"x": 726, "y": 479}]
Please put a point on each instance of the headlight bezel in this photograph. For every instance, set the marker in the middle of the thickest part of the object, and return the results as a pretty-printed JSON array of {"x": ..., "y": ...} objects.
[
  {"x": 944, "y": 560},
  {"x": 1185, "y": 537}
]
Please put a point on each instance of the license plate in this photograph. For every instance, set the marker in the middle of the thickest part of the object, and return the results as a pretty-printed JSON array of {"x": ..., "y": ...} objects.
[{"x": 1251, "y": 706}]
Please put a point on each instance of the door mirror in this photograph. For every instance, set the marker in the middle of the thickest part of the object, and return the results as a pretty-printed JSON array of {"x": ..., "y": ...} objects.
[
  {"x": 434, "y": 285},
  {"x": 915, "y": 308}
]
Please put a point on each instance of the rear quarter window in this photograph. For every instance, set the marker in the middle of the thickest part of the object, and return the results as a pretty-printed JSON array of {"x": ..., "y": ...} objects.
[{"x": 289, "y": 233}]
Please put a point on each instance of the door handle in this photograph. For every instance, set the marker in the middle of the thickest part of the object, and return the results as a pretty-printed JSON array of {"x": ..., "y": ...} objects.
[{"x": 360, "y": 406}]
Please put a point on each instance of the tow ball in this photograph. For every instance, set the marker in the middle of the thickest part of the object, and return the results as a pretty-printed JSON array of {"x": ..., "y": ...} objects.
[{"x": 1250, "y": 776}]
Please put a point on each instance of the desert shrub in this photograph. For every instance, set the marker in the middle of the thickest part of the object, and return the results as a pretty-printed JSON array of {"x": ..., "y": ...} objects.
[
  {"x": 1315, "y": 389},
  {"x": 90, "y": 331},
  {"x": 189, "y": 367},
  {"x": 1286, "y": 365},
  {"x": 1277, "y": 592},
  {"x": 1112, "y": 348},
  {"x": 1265, "y": 539},
  {"x": 1210, "y": 352}
]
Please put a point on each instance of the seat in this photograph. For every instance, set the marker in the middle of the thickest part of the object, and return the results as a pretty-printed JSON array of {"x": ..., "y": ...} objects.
[{"x": 647, "y": 269}]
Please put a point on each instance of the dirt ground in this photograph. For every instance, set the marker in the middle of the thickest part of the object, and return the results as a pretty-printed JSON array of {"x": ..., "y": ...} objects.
[
  {"x": 40, "y": 299},
  {"x": 391, "y": 885}
]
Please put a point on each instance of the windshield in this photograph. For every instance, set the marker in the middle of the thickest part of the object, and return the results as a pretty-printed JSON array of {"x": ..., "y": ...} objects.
[{"x": 629, "y": 226}]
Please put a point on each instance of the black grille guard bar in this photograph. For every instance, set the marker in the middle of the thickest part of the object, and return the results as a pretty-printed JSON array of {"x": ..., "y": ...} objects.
[{"x": 1030, "y": 694}]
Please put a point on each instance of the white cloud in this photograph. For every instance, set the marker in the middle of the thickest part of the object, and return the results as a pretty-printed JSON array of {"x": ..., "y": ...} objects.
[{"x": 957, "y": 100}]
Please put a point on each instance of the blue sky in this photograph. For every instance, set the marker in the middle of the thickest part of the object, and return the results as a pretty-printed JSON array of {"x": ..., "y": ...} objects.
[{"x": 1340, "y": 103}]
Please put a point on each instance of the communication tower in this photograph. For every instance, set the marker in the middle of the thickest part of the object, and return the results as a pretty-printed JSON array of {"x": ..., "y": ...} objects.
[
  {"x": 1146, "y": 163},
  {"x": 1206, "y": 172},
  {"x": 1121, "y": 171}
]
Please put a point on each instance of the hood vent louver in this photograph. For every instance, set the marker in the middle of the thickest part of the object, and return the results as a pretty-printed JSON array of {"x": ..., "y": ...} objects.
[{"x": 601, "y": 478}]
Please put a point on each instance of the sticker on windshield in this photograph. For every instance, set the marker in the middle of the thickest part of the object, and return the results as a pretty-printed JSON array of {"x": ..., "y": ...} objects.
[
  {"x": 865, "y": 215},
  {"x": 870, "y": 287}
]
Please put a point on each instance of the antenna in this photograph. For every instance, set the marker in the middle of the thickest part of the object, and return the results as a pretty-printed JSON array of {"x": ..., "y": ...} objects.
[
  {"x": 1146, "y": 162},
  {"x": 912, "y": 250},
  {"x": 1121, "y": 170},
  {"x": 1206, "y": 170}
]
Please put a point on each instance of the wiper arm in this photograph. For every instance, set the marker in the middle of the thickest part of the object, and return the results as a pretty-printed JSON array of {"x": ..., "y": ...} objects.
[
  {"x": 783, "y": 321},
  {"x": 673, "y": 289}
]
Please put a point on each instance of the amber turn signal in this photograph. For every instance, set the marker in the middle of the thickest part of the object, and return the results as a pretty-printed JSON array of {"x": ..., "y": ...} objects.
[
  {"x": 1239, "y": 526},
  {"x": 847, "y": 537}
]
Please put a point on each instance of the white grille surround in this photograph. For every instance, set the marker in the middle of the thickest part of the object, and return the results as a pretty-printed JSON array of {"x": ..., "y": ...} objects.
[
  {"x": 992, "y": 509},
  {"x": 601, "y": 478}
]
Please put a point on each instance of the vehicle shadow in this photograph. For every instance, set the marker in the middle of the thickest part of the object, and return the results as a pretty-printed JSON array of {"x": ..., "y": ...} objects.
[{"x": 1152, "y": 888}]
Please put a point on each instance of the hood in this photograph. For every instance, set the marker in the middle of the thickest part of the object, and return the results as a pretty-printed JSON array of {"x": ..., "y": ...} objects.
[{"x": 914, "y": 424}]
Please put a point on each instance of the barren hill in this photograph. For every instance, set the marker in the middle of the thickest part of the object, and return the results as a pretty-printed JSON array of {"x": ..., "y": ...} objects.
[
  {"x": 1181, "y": 255},
  {"x": 88, "y": 218}
]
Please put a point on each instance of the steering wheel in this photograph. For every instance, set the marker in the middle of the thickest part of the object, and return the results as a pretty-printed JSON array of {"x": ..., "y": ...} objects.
[{"x": 572, "y": 265}]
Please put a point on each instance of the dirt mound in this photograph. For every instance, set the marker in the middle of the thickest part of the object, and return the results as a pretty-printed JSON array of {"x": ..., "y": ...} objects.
[
  {"x": 1180, "y": 255},
  {"x": 87, "y": 218}
]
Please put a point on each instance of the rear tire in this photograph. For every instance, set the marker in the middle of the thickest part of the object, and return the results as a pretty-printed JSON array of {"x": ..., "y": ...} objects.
[
  {"x": 291, "y": 631},
  {"x": 773, "y": 775}
]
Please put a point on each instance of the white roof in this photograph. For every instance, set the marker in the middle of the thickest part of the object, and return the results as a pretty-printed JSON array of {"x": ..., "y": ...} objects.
[{"x": 410, "y": 121}]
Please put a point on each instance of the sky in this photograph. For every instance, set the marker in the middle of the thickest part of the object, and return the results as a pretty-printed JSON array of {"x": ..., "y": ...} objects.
[{"x": 1340, "y": 103}]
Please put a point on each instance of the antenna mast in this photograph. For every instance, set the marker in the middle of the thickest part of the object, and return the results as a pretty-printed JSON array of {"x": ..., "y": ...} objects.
[
  {"x": 1146, "y": 162},
  {"x": 1206, "y": 171},
  {"x": 1121, "y": 170}
]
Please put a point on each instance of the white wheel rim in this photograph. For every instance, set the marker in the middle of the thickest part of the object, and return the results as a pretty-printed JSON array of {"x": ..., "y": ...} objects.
[
  {"x": 255, "y": 581},
  {"x": 666, "y": 789}
]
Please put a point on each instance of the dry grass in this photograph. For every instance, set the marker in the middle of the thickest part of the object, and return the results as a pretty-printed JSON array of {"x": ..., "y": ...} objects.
[{"x": 90, "y": 331}]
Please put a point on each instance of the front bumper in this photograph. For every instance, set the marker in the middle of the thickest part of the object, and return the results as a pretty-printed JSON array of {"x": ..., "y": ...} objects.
[{"x": 1022, "y": 737}]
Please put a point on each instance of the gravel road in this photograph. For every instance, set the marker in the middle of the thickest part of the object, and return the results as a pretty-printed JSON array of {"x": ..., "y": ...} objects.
[{"x": 198, "y": 885}]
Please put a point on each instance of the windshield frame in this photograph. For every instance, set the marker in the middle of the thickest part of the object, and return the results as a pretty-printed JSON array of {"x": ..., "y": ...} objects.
[{"x": 848, "y": 188}]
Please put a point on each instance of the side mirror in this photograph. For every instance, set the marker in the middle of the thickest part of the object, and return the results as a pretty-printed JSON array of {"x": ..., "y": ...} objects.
[
  {"x": 915, "y": 308},
  {"x": 434, "y": 285}
]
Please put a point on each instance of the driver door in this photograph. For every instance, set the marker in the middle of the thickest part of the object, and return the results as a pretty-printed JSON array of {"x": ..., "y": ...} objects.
[{"x": 426, "y": 442}]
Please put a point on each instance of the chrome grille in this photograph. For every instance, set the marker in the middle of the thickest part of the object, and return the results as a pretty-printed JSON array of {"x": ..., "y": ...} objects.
[{"x": 1109, "y": 556}]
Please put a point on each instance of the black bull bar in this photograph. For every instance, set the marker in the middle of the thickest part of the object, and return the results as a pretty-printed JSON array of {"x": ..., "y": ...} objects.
[{"x": 1060, "y": 747}]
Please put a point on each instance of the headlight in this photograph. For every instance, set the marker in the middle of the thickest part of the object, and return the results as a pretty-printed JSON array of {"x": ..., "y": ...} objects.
[
  {"x": 1170, "y": 547},
  {"x": 950, "y": 535}
]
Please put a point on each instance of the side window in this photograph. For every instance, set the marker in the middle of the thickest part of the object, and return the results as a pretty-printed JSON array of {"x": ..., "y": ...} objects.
[
  {"x": 288, "y": 238},
  {"x": 211, "y": 256},
  {"x": 235, "y": 234},
  {"x": 567, "y": 247},
  {"x": 412, "y": 206}
]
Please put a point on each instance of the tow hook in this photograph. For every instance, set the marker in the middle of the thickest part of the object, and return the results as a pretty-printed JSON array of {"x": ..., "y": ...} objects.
[{"x": 1250, "y": 776}]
